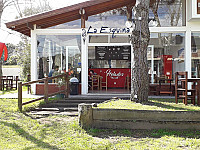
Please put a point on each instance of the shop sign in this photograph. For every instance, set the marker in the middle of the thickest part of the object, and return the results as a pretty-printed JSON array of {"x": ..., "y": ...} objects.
[
  {"x": 112, "y": 31},
  {"x": 114, "y": 75}
]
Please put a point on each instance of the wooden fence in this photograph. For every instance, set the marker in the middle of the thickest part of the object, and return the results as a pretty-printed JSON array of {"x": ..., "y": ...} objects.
[{"x": 46, "y": 94}]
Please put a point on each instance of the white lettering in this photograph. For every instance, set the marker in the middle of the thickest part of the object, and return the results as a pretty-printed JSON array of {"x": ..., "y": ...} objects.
[{"x": 114, "y": 75}]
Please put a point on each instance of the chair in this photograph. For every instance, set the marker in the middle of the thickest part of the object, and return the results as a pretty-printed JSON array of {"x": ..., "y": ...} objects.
[
  {"x": 9, "y": 82},
  {"x": 127, "y": 82},
  {"x": 181, "y": 88},
  {"x": 164, "y": 87},
  {"x": 104, "y": 84},
  {"x": 95, "y": 81},
  {"x": 15, "y": 82},
  {"x": 4, "y": 82}
]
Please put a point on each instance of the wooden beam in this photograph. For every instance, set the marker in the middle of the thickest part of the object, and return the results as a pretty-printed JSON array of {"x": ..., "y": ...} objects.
[{"x": 30, "y": 26}]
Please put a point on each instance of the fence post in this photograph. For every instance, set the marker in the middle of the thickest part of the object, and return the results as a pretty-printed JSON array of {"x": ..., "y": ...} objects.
[
  {"x": 46, "y": 94},
  {"x": 66, "y": 85},
  {"x": 20, "y": 96}
]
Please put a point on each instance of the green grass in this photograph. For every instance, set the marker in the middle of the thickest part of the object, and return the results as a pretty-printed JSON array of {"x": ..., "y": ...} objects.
[
  {"x": 22, "y": 131},
  {"x": 24, "y": 88},
  {"x": 153, "y": 104}
]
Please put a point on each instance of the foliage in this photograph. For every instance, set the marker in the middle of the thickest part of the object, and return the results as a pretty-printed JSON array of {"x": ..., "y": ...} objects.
[{"x": 22, "y": 49}]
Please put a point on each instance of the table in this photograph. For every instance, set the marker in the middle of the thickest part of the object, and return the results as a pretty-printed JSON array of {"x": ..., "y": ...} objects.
[
  {"x": 197, "y": 80},
  {"x": 6, "y": 83}
]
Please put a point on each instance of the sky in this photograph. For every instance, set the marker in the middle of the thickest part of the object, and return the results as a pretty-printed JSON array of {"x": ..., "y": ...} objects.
[{"x": 9, "y": 36}]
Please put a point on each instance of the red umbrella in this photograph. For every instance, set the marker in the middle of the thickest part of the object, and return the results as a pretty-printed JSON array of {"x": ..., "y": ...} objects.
[{"x": 3, "y": 47}]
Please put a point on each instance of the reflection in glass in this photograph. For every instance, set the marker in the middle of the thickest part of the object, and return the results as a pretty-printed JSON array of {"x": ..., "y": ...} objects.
[
  {"x": 195, "y": 45},
  {"x": 168, "y": 13},
  {"x": 168, "y": 55},
  {"x": 58, "y": 50}
]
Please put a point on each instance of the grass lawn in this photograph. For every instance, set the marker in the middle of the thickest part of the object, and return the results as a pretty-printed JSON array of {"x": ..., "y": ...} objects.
[
  {"x": 153, "y": 104},
  {"x": 28, "y": 132}
]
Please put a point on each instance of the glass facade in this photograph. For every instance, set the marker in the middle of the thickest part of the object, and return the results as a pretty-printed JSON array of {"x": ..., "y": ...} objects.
[
  {"x": 195, "y": 53},
  {"x": 76, "y": 24},
  {"x": 168, "y": 13},
  {"x": 114, "y": 19},
  {"x": 166, "y": 55},
  {"x": 59, "y": 50}
]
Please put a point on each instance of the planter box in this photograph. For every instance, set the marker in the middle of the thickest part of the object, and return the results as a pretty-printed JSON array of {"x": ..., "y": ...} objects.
[
  {"x": 52, "y": 88},
  {"x": 137, "y": 119}
]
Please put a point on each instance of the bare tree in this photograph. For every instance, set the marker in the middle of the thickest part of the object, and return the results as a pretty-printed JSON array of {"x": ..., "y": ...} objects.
[
  {"x": 3, "y": 5},
  {"x": 140, "y": 40},
  {"x": 28, "y": 9}
]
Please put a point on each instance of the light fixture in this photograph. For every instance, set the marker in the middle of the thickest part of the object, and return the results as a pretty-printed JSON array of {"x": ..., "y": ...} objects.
[
  {"x": 82, "y": 11},
  {"x": 129, "y": 24}
]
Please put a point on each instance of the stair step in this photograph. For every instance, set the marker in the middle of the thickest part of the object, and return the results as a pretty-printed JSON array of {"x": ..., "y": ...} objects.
[
  {"x": 79, "y": 101},
  {"x": 57, "y": 109},
  {"x": 68, "y": 113},
  {"x": 58, "y": 105}
]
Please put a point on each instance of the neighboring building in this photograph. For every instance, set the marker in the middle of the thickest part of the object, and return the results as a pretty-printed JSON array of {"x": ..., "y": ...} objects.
[{"x": 94, "y": 35}]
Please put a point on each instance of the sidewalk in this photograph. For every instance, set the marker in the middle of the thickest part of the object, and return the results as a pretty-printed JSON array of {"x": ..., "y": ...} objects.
[{"x": 24, "y": 95}]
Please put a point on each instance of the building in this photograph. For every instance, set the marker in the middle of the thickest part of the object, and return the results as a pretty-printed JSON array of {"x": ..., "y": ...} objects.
[{"x": 94, "y": 35}]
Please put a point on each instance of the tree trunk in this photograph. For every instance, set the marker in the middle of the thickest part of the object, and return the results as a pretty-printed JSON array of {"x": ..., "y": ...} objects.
[{"x": 140, "y": 40}]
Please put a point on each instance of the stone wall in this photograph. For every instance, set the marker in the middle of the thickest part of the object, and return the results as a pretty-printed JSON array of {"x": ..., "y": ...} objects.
[{"x": 137, "y": 119}]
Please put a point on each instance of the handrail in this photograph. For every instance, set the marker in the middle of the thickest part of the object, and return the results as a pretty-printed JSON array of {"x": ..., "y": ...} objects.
[{"x": 46, "y": 94}]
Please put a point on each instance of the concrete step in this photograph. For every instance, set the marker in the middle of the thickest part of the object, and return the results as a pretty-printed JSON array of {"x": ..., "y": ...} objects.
[
  {"x": 57, "y": 109},
  {"x": 59, "y": 105},
  {"x": 98, "y": 97},
  {"x": 79, "y": 101},
  {"x": 68, "y": 113}
]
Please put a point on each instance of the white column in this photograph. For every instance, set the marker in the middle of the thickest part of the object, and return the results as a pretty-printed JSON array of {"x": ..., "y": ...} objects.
[
  {"x": 152, "y": 64},
  {"x": 84, "y": 65},
  {"x": 34, "y": 73},
  {"x": 67, "y": 53},
  {"x": 61, "y": 56},
  {"x": 188, "y": 52}
]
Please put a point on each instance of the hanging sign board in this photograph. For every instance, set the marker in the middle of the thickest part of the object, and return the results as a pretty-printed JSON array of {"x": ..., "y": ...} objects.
[
  {"x": 112, "y": 52},
  {"x": 113, "y": 31}
]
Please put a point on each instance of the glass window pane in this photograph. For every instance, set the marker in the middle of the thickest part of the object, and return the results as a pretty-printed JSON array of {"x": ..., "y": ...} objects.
[
  {"x": 195, "y": 45},
  {"x": 168, "y": 13},
  {"x": 98, "y": 39},
  {"x": 168, "y": 54},
  {"x": 63, "y": 51},
  {"x": 119, "y": 39}
]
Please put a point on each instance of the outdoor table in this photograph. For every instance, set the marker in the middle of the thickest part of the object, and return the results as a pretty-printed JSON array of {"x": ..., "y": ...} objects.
[
  {"x": 6, "y": 82},
  {"x": 195, "y": 80}
]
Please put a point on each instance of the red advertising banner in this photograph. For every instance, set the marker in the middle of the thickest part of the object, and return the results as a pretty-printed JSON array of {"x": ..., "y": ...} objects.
[{"x": 116, "y": 76}]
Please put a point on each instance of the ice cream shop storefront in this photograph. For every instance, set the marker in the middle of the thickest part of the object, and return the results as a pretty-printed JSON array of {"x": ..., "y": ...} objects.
[{"x": 91, "y": 41}]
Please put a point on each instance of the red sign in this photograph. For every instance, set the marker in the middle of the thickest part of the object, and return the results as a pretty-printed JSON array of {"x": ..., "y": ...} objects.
[
  {"x": 3, "y": 47},
  {"x": 115, "y": 76}
]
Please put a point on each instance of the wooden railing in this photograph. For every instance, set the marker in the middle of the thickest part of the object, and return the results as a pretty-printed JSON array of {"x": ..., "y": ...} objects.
[{"x": 46, "y": 94}]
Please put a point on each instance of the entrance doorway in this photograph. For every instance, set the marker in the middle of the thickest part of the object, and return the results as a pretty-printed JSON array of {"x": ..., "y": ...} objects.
[{"x": 110, "y": 65}]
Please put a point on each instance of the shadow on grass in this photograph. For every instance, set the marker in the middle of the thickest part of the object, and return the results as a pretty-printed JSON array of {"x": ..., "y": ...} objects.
[
  {"x": 107, "y": 133},
  {"x": 29, "y": 137}
]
